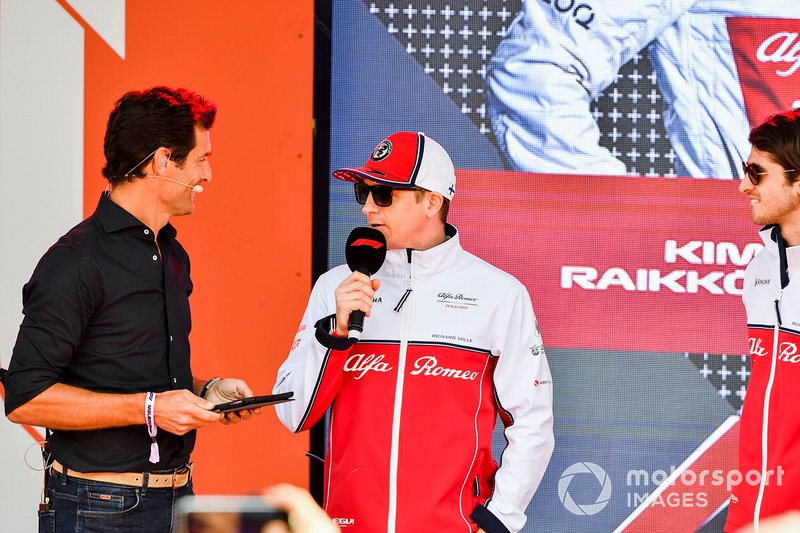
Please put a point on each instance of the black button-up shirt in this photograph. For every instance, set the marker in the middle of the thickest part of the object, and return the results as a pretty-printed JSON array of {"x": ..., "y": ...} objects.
[{"x": 105, "y": 311}]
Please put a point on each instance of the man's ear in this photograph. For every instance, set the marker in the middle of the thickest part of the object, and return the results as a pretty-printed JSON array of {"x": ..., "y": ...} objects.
[
  {"x": 161, "y": 158},
  {"x": 435, "y": 201}
]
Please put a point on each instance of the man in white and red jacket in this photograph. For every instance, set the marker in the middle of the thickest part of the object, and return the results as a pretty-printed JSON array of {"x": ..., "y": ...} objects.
[
  {"x": 449, "y": 343},
  {"x": 769, "y": 442}
]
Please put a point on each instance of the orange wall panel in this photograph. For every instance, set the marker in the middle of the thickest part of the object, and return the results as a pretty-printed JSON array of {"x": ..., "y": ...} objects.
[{"x": 250, "y": 238}]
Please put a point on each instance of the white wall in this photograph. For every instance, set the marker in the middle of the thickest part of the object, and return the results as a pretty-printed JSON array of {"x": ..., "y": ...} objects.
[{"x": 41, "y": 181}]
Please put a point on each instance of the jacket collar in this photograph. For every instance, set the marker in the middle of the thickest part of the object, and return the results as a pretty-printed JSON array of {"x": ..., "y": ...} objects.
[
  {"x": 776, "y": 246},
  {"x": 425, "y": 262}
]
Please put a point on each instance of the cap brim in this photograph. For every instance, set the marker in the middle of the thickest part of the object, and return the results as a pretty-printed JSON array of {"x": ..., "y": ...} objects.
[{"x": 361, "y": 174}]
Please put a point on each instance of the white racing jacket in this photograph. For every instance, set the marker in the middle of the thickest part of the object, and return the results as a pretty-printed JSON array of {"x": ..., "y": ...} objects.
[
  {"x": 451, "y": 343},
  {"x": 722, "y": 66},
  {"x": 769, "y": 454}
]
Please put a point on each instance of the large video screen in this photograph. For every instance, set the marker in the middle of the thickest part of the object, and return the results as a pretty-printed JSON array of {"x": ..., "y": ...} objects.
[{"x": 598, "y": 151}]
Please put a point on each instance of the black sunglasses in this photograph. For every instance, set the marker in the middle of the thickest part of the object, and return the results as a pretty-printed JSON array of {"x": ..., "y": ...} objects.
[
  {"x": 754, "y": 175},
  {"x": 381, "y": 194}
]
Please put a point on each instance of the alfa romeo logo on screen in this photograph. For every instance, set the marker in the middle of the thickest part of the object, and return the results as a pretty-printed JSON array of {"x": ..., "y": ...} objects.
[{"x": 579, "y": 469}]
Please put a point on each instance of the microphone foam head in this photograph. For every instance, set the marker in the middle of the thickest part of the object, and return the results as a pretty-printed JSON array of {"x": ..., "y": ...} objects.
[
  {"x": 197, "y": 188},
  {"x": 365, "y": 250}
]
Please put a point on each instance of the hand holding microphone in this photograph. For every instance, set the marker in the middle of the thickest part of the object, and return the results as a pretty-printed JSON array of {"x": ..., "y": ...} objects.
[{"x": 365, "y": 252}]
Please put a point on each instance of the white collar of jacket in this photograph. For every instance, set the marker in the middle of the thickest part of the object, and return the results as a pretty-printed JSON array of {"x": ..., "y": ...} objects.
[
  {"x": 426, "y": 262},
  {"x": 792, "y": 252},
  {"x": 791, "y": 255},
  {"x": 769, "y": 241}
]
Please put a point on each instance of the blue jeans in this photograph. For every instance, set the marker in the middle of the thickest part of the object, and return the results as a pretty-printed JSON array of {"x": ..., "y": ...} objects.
[{"x": 85, "y": 506}]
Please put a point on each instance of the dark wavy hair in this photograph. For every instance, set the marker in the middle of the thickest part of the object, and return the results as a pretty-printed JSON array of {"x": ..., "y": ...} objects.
[
  {"x": 779, "y": 135},
  {"x": 143, "y": 121}
]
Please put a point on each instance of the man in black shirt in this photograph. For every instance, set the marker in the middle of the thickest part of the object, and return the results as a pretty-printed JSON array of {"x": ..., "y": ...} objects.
[{"x": 102, "y": 355}]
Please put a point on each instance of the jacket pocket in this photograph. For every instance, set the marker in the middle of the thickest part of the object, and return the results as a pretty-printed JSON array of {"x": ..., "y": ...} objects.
[{"x": 482, "y": 479}]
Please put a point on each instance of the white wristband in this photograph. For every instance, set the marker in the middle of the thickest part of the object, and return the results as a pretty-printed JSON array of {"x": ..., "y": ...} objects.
[{"x": 152, "y": 429}]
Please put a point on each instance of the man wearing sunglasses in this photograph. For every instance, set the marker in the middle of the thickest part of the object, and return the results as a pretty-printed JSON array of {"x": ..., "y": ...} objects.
[
  {"x": 449, "y": 343},
  {"x": 769, "y": 453}
]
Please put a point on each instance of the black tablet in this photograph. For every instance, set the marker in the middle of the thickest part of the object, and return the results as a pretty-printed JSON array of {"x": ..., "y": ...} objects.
[{"x": 253, "y": 401}]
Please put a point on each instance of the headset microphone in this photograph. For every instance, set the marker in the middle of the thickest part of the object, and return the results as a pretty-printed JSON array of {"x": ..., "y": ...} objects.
[{"x": 195, "y": 188}]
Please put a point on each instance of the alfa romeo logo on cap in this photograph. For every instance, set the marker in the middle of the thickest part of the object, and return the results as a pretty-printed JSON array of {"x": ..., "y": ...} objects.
[{"x": 382, "y": 151}]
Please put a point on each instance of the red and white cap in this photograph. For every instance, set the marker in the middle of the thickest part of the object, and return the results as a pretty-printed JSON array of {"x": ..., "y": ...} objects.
[{"x": 407, "y": 159}]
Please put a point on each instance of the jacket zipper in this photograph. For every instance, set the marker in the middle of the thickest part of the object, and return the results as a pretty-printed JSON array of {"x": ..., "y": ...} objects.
[
  {"x": 405, "y": 296},
  {"x": 398, "y": 397},
  {"x": 765, "y": 418}
]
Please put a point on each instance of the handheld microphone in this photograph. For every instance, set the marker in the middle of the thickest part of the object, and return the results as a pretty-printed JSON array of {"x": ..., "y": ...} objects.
[
  {"x": 365, "y": 252},
  {"x": 195, "y": 188}
]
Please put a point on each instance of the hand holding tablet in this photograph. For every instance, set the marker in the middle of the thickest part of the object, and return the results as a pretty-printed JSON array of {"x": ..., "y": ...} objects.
[{"x": 252, "y": 402}]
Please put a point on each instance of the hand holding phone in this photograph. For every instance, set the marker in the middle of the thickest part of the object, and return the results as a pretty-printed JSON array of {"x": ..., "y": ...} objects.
[{"x": 226, "y": 513}]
